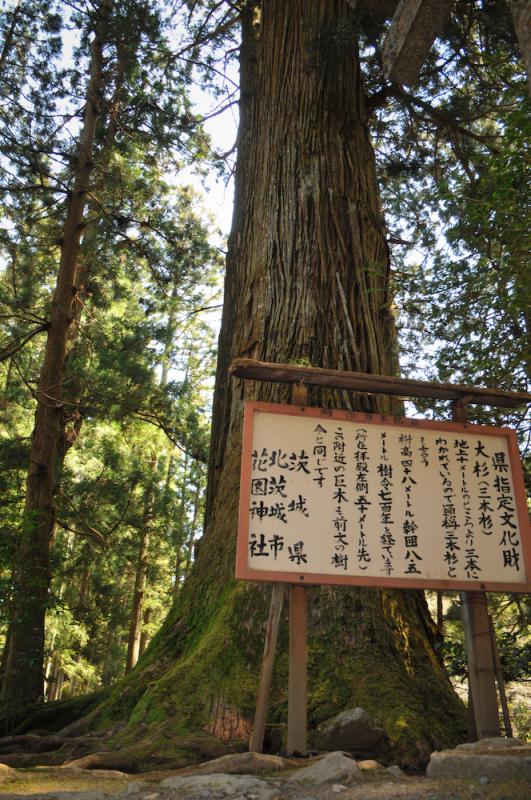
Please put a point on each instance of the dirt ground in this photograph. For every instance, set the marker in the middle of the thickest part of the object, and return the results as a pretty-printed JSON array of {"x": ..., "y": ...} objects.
[{"x": 58, "y": 784}]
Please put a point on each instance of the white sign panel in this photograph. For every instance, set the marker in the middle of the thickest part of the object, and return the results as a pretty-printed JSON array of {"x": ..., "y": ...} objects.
[{"x": 341, "y": 497}]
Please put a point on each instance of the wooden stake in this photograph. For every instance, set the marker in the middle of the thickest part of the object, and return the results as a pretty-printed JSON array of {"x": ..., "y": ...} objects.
[
  {"x": 298, "y": 656},
  {"x": 440, "y": 613},
  {"x": 480, "y": 660},
  {"x": 298, "y": 666},
  {"x": 478, "y": 643},
  {"x": 501, "y": 682},
  {"x": 256, "y": 743},
  {"x": 298, "y": 641}
]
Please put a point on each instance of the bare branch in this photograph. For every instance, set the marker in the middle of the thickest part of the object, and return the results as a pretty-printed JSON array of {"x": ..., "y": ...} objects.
[{"x": 23, "y": 339}]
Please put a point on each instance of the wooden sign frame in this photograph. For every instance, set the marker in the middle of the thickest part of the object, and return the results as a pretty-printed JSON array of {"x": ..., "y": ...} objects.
[{"x": 245, "y": 572}]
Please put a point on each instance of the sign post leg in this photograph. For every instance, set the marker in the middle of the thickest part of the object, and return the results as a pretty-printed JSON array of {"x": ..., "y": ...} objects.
[
  {"x": 481, "y": 672},
  {"x": 298, "y": 641},
  {"x": 478, "y": 643},
  {"x": 256, "y": 742},
  {"x": 501, "y": 682},
  {"x": 298, "y": 663}
]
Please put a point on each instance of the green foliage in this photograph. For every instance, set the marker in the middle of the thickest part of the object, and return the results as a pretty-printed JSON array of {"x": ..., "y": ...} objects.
[
  {"x": 140, "y": 360},
  {"x": 515, "y": 657},
  {"x": 511, "y": 621}
]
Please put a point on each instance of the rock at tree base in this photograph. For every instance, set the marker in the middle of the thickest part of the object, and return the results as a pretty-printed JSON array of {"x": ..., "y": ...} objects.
[
  {"x": 396, "y": 772},
  {"x": 494, "y": 743},
  {"x": 353, "y": 731},
  {"x": 134, "y": 787},
  {"x": 218, "y": 785},
  {"x": 370, "y": 765},
  {"x": 331, "y": 768},
  {"x": 240, "y": 764},
  {"x": 496, "y": 759}
]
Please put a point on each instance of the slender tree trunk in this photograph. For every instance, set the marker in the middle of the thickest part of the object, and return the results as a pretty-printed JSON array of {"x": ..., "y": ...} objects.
[
  {"x": 169, "y": 334},
  {"x": 180, "y": 526},
  {"x": 193, "y": 527},
  {"x": 60, "y": 681},
  {"x": 81, "y": 606},
  {"x": 144, "y": 638},
  {"x": 10, "y": 33},
  {"x": 135, "y": 627},
  {"x": 22, "y": 682},
  {"x": 54, "y": 679}
]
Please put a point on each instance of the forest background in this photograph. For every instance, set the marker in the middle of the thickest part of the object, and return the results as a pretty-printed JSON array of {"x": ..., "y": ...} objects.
[{"x": 127, "y": 498}]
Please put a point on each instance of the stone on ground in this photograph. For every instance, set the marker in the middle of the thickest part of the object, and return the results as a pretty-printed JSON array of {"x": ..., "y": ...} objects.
[
  {"x": 370, "y": 765},
  {"x": 332, "y": 768},
  {"x": 134, "y": 787},
  {"x": 497, "y": 759},
  {"x": 218, "y": 785},
  {"x": 395, "y": 771},
  {"x": 240, "y": 764},
  {"x": 494, "y": 743},
  {"x": 354, "y": 731}
]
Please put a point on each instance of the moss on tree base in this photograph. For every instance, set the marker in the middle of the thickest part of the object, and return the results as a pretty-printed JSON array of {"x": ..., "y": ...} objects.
[{"x": 180, "y": 710}]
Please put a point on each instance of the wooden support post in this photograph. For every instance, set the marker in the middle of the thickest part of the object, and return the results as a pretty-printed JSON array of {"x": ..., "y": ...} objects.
[
  {"x": 256, "y": 742},
  {"x": 478, "y": 644},
  {"x": 298, "y": 652},
  {"x": 298, "y": 642},
  {"x": 298, "y": 666},
  {"x": 501, "y": 682},
  {"x": 481, "y": 674},
  {"x": 440, "y": 613}
]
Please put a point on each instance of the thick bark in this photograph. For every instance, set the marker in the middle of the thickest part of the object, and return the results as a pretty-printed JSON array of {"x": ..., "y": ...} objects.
[
  {"x": 22, "y": 680},
  {"x": 308, "y": 265}
]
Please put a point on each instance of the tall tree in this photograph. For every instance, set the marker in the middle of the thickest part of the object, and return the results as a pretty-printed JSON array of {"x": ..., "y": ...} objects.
[
  {"x": 22, "y": 679},
  {"x": 124, "y": 137},
  {"x": 307, "y": 281}
]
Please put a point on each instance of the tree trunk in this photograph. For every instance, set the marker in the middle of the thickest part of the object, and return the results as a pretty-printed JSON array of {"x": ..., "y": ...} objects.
[
  {"x": 54, "y": 679},
  {"x": 144, "y": 638},
  {"x": 193, "y": 527},
  {"x": 10, "y": 33},
  {"x": 22, "y": 682},
  {"x": 179, "y": 537},
  {"x": 521, "y": 14},
  {"x": 135, "y": 626},
  {"x": 307, "y": 281}
]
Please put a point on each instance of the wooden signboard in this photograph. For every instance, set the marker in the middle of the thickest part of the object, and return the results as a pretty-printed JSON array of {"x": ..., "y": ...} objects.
[{"x": 348, "y": 498}]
